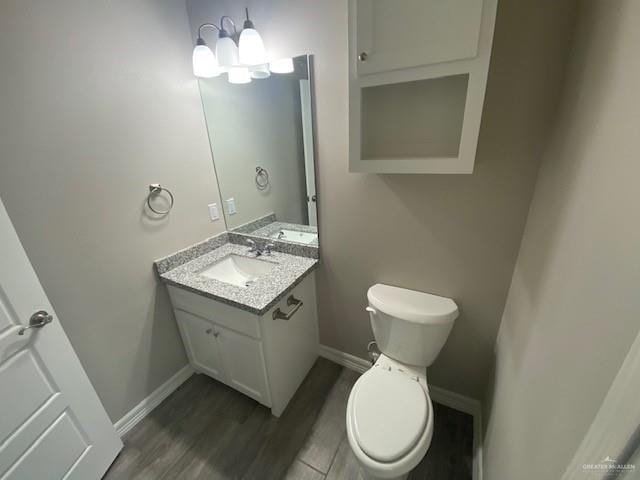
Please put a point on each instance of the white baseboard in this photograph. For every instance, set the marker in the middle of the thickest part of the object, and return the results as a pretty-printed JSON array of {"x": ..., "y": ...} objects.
[
  {"x": 137, "y": 413},
  {"x": 439, "y": 395},
  {"x": 352, "y": 362}
]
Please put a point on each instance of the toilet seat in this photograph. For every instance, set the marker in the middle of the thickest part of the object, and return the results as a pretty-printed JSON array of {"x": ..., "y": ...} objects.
[
  {"x": 376, "y": 380},
  {"x": 390, "y": 411}
]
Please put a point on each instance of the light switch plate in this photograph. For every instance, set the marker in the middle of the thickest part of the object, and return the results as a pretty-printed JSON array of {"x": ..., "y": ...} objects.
[
  {"x": 231, "y": 206},
  {"x": 214, "y": 213}
]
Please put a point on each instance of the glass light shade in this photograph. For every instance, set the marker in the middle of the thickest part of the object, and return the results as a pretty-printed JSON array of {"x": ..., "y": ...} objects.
[
  {"x": 251, "y": 48},
  {"x": 239, "y": 75},
  {"x": 260, "y": 71},
  {"x": 205, "y": 64},
  {"x": 227, "y": 53},
  {"x": 284, "y": 65}
]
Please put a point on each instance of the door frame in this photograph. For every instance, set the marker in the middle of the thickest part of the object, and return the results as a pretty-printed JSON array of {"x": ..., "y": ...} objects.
[{"x": 606, "y": 444}]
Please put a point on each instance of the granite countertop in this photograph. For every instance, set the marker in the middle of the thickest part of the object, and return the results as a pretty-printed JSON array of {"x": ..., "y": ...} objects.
[{"x": 256, "y": 298}]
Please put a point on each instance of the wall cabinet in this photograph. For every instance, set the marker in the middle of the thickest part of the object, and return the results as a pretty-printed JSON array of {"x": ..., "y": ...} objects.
[
  {"x": 263, "y": 358},
  {"x": 417, "y": 78}
]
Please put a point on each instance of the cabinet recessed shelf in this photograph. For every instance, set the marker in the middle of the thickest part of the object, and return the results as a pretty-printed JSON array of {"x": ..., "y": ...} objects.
[
  {"x": 417, "y": 78},
  {"x": 413, "y": 120}
]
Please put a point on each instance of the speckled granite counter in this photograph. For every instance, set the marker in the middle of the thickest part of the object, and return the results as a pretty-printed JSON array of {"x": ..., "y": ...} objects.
[{"x": 256, "y": 298}]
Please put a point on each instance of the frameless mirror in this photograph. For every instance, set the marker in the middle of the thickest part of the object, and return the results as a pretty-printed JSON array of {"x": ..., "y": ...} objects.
[{"x": 261, "y": 136}]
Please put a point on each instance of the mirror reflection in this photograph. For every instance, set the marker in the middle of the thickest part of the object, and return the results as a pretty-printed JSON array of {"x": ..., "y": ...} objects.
[{"x": 261, "y": 136}]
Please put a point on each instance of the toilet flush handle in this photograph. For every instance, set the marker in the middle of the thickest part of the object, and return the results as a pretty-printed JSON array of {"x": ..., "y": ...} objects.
[{"x": 371, "y": 310}]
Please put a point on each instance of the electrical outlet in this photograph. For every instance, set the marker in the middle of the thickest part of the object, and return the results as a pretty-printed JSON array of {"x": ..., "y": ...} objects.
[
  {"x": 231, "y": 206},
  {"x": 214, "y": 213}
]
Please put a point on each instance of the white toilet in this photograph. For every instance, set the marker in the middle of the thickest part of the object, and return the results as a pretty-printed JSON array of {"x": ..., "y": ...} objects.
[{"x": 389, "y": 413}]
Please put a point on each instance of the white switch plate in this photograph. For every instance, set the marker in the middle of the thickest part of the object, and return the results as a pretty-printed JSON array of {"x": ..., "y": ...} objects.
[
  {"x": 214, "y": 213},
  {"x": 231, "y": 206}
]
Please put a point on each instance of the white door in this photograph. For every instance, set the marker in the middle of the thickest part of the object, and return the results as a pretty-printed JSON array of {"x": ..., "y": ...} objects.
[{"x": 52, "y": 424}]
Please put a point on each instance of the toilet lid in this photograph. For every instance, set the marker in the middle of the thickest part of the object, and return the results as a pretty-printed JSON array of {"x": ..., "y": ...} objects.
[{"x": 390, "y": 412}]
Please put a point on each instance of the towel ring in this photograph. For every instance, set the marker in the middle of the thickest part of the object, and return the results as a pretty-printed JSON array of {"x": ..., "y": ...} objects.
[
  {"x": 157, "y": 189},
  {"x": 262, "y": 178}
]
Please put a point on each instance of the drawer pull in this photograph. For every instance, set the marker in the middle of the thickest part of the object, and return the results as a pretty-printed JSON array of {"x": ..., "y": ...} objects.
[{"x": 280, "y": 315}]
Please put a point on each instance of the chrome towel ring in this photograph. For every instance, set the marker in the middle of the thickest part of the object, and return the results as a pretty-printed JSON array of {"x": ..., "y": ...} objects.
[
  {"x": 156, "y": 189},
  {"x": 262, "y": 178}
]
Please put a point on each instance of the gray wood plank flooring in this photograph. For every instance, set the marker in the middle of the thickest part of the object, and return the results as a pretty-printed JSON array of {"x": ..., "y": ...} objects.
[{"x": 206, "y": 430}]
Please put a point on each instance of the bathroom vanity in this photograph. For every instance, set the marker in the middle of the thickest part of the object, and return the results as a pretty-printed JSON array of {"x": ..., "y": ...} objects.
[
  {"x": 247, "y": 320},
  {"x": 245, "y": 300}
]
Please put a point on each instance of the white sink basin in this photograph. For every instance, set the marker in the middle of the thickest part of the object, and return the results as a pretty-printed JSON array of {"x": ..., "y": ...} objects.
[
  {"x": 238, "y": 270},
  {"x": 294, "y": 236}
]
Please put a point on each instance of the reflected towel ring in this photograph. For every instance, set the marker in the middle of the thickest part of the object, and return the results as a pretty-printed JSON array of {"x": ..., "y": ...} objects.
[
  {"x": 157, "y": 189},
  {"x": 262, "y": 178}
]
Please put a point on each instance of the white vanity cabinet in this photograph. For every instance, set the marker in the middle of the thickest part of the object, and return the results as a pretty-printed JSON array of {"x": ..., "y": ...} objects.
[
  {"x": 417, "y": 76},
  {"x": 262, "y": 357}
]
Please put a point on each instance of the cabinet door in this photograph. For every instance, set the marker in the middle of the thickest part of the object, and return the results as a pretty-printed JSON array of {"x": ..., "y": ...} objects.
[
  {"x": 201, "y": 345},
  {"x": 411, "y": 33},
  {"x": 244, "y": 364}
]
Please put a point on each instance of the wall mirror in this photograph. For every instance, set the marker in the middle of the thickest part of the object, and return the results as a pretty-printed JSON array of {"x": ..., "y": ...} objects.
[{"x": 261, "y": 136}]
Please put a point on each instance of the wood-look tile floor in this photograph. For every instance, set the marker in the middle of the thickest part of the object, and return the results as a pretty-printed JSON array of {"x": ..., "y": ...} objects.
[{"x": 206, "y": 430}]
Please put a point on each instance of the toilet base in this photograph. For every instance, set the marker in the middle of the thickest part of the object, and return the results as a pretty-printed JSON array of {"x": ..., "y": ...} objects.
[{"x": 363, "y": 475}]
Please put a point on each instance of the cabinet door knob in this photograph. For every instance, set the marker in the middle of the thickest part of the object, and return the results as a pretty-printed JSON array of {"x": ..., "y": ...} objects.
[{"x": 363, "y": 56}]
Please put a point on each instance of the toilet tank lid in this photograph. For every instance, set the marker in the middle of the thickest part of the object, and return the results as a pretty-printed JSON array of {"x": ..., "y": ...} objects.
[{"x": 412, "y": 306}]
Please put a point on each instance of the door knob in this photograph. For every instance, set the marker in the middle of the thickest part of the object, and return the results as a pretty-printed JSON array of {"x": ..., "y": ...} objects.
[
  {"x": 363, "y": 56},
  {"x": 37, "y": 320}
]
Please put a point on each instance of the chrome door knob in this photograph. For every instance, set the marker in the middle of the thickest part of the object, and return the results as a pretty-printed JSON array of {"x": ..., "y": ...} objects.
[
  {"x": 37, "y": 320},
  {"x": 363, "y": 56}
]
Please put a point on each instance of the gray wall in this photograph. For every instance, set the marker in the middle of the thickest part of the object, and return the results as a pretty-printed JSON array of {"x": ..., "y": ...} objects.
[
  {"x": 259, "y": 124},
  {"x": 572, "y": 310},
  {"x": 97, "y": 101},
  {"x": 453, "y": 235}
]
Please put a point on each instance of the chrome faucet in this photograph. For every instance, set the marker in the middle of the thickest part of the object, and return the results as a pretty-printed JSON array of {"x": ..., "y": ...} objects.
[{"x": 255, "y": 248}]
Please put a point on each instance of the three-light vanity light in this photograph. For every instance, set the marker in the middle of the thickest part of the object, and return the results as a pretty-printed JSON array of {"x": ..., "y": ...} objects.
[{"x": 242, "y": 62}]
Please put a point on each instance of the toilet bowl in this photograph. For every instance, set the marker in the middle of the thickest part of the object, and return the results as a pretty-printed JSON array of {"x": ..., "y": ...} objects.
[
  {"x": 389, "y": 411},
  {"x": 389, "y": 419}
]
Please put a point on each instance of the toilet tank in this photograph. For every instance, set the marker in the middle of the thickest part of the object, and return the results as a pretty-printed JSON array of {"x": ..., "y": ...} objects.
[{"x": 409, "y": 326}]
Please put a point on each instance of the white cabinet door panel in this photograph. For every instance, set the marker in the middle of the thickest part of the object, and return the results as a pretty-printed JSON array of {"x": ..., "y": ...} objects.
[
  {"x": 244, "y": 363},
  {"x": 201, "y": 345},
  {"x": 411, "y": 33}
]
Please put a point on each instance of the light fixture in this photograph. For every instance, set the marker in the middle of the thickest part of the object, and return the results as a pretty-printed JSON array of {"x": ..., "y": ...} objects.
[
  {"x": 239, "y": 75},
  {"x": 283, "y": 65},
  {"x": 260, "y": 71},
  {"x": 226, "y": 48},
  {"x": 205, "y": 64},
  {"x": 250, "y": 46},
  {"x": 242, "y": 61}
]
